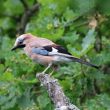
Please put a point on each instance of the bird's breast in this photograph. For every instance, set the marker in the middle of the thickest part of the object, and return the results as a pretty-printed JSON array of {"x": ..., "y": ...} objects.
[
  {"x": 44, "y": 60},
  {"x": 28, "y": 51}
]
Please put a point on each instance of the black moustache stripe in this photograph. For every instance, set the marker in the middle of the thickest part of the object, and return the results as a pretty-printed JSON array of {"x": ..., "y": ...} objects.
[
  {"x": 21, "y": 46},
  {"x": 18, "y": 46}
]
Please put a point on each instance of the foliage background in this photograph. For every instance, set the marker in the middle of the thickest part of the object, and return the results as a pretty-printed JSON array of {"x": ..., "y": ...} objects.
[{"x": 81, "y": 26}]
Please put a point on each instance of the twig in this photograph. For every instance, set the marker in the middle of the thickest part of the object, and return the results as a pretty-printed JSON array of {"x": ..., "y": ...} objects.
[
  {"x": 69, "y": 23},
  {"x": 61, "y": 102}
]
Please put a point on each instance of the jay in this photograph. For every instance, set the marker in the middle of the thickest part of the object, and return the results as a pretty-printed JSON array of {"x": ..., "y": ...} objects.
[{"x": 45, "y": 52}]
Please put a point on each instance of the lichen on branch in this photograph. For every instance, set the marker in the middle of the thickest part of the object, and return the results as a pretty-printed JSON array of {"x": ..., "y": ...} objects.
[{"x": 61, "y": 102}]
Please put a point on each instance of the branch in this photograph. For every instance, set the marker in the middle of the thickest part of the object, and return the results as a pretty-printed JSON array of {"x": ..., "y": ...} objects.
[
  {"x": 61, "y": 102},
  {"x": 24, "y": 3},
  {"x": 35, "y": 7},
  {"x": 26, "y": 16}
]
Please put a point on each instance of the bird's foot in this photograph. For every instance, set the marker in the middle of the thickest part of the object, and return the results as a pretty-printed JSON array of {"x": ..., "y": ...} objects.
[{"x": 43, "y": 72}]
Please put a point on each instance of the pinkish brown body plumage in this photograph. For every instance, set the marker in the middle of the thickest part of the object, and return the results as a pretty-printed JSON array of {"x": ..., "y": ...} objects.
[{"x": 44, "y": 51}]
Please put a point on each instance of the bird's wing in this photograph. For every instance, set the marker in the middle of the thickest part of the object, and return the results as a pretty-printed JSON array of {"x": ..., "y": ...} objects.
[
  {"x": 51, "y": 50},
  {"x": 40, "y": 50}
]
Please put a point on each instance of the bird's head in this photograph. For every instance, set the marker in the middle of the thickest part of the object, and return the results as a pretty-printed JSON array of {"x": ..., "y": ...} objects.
[{"x": 21, "y": 41}]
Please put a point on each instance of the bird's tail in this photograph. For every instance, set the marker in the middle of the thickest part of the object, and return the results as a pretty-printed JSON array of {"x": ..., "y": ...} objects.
[
  {"x": 83, "y": 62},
  {"x": 75, "y": 59}
]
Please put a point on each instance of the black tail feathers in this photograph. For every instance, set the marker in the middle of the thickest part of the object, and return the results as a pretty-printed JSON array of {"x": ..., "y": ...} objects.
[{"x": 83, "y": 62}]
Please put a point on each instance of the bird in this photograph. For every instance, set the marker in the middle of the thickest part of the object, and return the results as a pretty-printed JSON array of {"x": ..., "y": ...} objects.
[{"x": 45, "y": 52}]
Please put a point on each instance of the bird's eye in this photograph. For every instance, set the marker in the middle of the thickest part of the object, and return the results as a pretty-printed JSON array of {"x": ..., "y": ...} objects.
[{"x": 20, "y": 42}]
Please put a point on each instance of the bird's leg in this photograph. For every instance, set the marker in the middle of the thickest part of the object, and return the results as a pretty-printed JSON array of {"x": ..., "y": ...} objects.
[
  {"x": 51, "y": 73},
  {"x": 55, "y": 68},
  {"x": 49, "y": 65}
]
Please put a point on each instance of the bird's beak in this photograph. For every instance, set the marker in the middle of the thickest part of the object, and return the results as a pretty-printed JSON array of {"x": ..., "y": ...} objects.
[
  {"x": 18, "y": 46},
  {"x": 14, "y": 48}
]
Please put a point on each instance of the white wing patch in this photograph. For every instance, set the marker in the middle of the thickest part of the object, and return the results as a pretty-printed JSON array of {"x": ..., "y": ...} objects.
[{"x": 54, "y": 50}]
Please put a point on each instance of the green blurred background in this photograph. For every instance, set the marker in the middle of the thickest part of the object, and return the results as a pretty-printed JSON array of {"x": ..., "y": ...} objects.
[{"x": 81, "y": 26}]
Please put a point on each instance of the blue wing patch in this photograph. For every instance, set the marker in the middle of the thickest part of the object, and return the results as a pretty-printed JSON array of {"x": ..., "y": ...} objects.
[{"x": 40, "y": 51}]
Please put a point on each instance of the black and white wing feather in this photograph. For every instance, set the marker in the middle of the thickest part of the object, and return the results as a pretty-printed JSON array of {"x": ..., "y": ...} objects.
[
  {"x": 56, "y": 50},
  {"x": 50, "y": 50}
]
